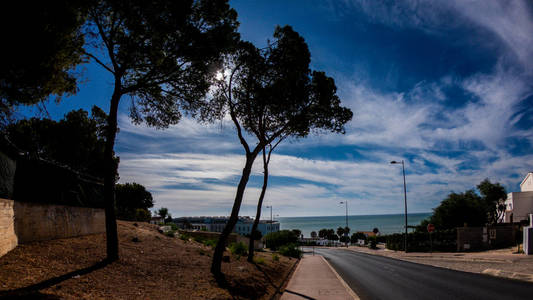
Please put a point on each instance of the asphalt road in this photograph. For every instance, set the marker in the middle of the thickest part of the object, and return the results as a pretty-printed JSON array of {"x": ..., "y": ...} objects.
[{"x": 378, "y": 277}]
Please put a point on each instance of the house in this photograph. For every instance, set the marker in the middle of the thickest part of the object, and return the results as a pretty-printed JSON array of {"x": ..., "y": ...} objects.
[
  {"x": 520, "y": 204},
  {"x": 156, "y": 220}
]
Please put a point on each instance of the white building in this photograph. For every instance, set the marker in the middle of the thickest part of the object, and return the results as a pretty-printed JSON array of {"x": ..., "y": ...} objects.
[{"x": 520, "y": 204}]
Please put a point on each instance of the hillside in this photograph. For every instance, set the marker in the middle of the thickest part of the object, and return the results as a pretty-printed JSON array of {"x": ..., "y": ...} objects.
[{"x": 151, "y": 266}]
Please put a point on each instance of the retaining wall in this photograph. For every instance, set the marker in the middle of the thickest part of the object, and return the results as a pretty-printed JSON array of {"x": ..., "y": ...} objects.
[
  {"x": 23, "y": 222},
  {"x": 8, "y": 238}
]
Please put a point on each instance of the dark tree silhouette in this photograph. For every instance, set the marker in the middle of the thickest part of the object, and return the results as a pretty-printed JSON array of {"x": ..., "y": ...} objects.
[
  {"x": 272, "y": 94},
  {"x": 133, "y": 201},
  {"x": 42, "y": 44},
  {"x": 162, "y": 55},
  {"x": 77, "y": 140},
  {"x": 313, "y": 234}
]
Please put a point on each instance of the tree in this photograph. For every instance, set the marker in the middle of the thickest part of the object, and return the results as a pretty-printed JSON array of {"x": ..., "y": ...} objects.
[
  {"x": 132, "y": 198},
  {"x": 272, "y": 94},
  {"x": 375, "y": 230},
  {"x": 323, "y": 233},
  {"x": 162, "y": 54},
  {"x": 297, "y": 232},
  {"x": 468, "y": 207},
  {"x": 340, "y": 231},
  {"x": 313, "y": 234},
  {"x": 77, "y": 140},
  {"x": 357, "y": 236},
  {"x": 493, "y": 196},
  {"x": 163, "y": 213},
  {"x": 43, "y": 43}
]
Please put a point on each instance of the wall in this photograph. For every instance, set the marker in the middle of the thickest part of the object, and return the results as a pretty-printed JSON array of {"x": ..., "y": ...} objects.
[
  {"x": 39, "y": 222},
  {"x": 522, "y": 206},
  {"x": 527, "y": 184},
  {"x": 23, "y": 222},
  {"x": 8, "y": 239},
  {"x": 478, "y": 238},
  {"x": 232, "y": 238}
]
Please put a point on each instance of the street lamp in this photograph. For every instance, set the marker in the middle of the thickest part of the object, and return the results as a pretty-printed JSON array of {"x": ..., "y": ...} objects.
[
  {"x": 345, "y": 234},
  {"x": 404, "y": 198},
  {"x": 271, "y": 220}
]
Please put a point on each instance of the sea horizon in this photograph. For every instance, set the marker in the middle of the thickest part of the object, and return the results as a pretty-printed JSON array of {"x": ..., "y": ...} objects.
[{"x": 386, "y": 223}]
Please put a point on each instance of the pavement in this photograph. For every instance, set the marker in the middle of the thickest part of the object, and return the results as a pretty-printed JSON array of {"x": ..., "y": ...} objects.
[
  {"x": 314, "y": 278},
  {"x": 379, "y": 277}
]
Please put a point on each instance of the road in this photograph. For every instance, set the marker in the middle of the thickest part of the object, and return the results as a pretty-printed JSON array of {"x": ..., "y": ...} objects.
[{"x": 378, "y": 277}]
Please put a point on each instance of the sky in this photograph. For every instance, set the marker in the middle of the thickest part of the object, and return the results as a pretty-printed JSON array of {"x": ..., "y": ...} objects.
[{"x": 446, "y": 86}]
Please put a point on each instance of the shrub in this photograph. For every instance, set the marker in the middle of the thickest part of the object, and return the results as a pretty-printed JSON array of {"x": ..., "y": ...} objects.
[
  {"x": 210, "y": 243},
  {"x": 290, "y": 250},
  {"x": 275, "y": 257},
  {"x": 443, "y": 240},
  {"x": 372, "y": 242},
  {"x": 239, "y": 249},
  {"x": 274, "y": 240},
  {"x": 173, "y": 226},
  {"x": 170, "y": 233},
  {"x": 259, "y": 260},
  {"x": 184, "y": 237}
]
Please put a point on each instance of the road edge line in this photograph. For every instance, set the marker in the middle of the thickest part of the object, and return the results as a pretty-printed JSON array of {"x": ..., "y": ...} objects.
[{"x": 346, "y": 286}]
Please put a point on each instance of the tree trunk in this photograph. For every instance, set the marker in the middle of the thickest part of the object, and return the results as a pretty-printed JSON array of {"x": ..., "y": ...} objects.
[
  {"x": 109, "y": 178},
  {"x": 259, "y": 206},
  {"x": 221, "y": 244}
]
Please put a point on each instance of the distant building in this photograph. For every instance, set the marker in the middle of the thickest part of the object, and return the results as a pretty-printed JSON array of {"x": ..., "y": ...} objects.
[
  {"x": 520, "y": 204},
  {"x": 156, "y": 220},
  {"x": 217, "y": 224}
]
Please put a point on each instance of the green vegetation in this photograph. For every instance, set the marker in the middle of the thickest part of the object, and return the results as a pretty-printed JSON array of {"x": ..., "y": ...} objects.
[
  {"x": 443, "y": 240},
  {"x": 357, "y": 236},
  {"x": 239, "y": 249},
  {"x": 259, "y": 260},
  {"x": 275, "y": 257},
  {"x": 133, "y": 201},
  {"x": 468, "y": 207},
  {"x": 290, "y": 250},
  {"x": 274, "y": 240},
  {"x": 170, "y": 233}
]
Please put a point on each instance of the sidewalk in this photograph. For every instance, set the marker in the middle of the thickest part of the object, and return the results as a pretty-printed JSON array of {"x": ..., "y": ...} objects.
[{"x": 314, "y": 278}]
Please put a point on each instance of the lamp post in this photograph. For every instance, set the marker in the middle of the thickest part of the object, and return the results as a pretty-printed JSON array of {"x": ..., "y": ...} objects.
[
  {"x": 404, "y": 198},
  {"x": 271, "y": 220},
  {"x": 345, "y": 234}
]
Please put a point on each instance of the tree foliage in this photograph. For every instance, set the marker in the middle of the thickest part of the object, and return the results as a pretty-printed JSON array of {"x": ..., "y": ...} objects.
[
  {"x": 77, "y": 140},
  {"x": 133, "y": 201},
  {"x": 43, "y": 43},
  {"x": 468, "y": 207}
]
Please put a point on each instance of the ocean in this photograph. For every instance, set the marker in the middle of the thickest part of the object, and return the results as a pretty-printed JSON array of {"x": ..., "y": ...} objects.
[{"x": 386, "y": 224}]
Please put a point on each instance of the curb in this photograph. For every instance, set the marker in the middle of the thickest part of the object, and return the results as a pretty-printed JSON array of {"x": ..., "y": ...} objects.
[
  {"x": 346, "y": 286},
  {"x": 507, "y": 274},
  {"x": 277, "y": 295}
]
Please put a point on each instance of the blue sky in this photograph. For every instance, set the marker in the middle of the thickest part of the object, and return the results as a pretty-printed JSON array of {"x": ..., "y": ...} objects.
[{"x": 445, "y": 85}]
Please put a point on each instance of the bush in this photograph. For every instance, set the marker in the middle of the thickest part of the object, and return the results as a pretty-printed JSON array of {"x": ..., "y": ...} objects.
[
  {"x": 373, "y": 242},
  {"x": 210, "y": 243},
  {"x": 170, "y": 233},
  {"x": 184, "y": 237},
  {"x": 443, "y": 240},
  {"x": 274, "y": 240},
  {"x": 290, "y": 250},
  {"x": 259, "y": 260},
  {"x": 173, "y": 226},
  {"x": 275, "y": 257},
  {"x": 238, "y": 249}
]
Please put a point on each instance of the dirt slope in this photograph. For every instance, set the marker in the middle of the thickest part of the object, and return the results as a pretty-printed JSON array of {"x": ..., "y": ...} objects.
[{"x": 151, "y": 266}]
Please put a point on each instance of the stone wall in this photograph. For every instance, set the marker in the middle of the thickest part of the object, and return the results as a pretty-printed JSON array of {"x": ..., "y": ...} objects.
[
  {"x": 23, "y": 222},
  {"x": 479, "y": 238},
  {"x": 8, "y": 239},
  {"x": 40, "y": 222}
]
